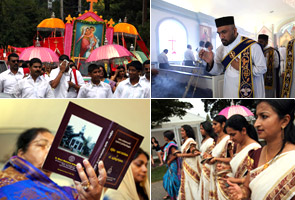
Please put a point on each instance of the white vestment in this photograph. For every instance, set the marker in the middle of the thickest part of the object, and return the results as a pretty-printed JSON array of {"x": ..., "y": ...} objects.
[
  {"x": 276, "y": 181},
  {"x": 232, "y": 76}
]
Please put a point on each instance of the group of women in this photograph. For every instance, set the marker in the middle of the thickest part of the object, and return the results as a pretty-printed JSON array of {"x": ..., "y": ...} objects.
[{"x": 230, "y": 163}]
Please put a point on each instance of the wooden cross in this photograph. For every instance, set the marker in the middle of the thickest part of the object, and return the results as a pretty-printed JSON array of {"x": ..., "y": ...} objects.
[
  {"x": 91, "y": 4},
  {"x": 69, "y": 19},
  {"x": 111, "y": 22}
]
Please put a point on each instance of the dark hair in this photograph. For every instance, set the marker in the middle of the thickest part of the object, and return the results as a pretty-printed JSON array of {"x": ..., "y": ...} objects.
[
  {"x": 169, "y": 135},
  {"x": 154, "y": 139},
  {"x": 92, "y": 67},
  {"x": 284, "y": 107},
  {"x": 104, "y": 71},
  {"x": 12, "y": 55},
  {"x": 136, "y": 64},
  {"x": 165, "y": 50},
  {"x": 238, "y": 122},
  {"x": 141, "y": 151},
  {"x": 189, "y": 131},
  {"x": 25, "y": 64},
  {"x": 121, "y": 67},
  {"x": 207, "y": 126},
  {"x": 208, "y": 44},
  {"x": 64, "y": 57},
  {"x": 26, "y": 137},
  {"x": 201, "y": 43},
  {"x": 35, "y": 60},
  {"x": 146, "y": 62},
  {"x": 188, "y": 46},
  {"x": 220, "y": 119}
]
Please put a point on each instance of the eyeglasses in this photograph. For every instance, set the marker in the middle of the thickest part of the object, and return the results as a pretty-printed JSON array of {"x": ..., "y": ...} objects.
[{"x": 14, "y": 61}]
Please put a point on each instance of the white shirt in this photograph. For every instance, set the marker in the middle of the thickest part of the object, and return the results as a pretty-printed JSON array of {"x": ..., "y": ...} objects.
[
  {"x": 28, "y": 88},
  {"x": 162, "y": 58},
  {"x": 232, "y": 76},
  {"x": 8, "y": 80},
  {"x": 61, "y": 91},
  {"x": 189, "y": 55},
  {"x": 126, "y": 90},
  {"x": 90, "y": 90},
  {"x": 144, "y": 79}
]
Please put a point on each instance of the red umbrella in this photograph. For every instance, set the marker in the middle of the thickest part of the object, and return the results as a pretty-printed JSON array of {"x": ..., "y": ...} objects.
[
  {"x": 43, "y": 53},
  {"x": 108, "y": 52},
  {"x": 235, "y": 109}
]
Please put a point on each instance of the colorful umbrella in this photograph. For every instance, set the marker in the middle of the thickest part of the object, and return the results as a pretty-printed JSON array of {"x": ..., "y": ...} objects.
[
  {"x": 50, "y": 24},
  {"x": 108, "y": 52},
  {"x": 140, "y": 56},
  {"x": 126, "y": 29},
  {"x": 235, "y": 109},
  {"x": 43, "y": 53}
]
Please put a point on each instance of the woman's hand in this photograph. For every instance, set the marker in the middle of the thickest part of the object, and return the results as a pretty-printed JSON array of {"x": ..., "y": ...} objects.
[
  {"x": 212, "y": 161},
  {"x": 90, "y": 187},
  {"x": 235, "y": 191}
]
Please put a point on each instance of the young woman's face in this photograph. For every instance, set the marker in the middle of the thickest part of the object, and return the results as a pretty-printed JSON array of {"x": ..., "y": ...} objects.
[
  {"x": 183, "y": 133},
  {"x": 268, "y": 123},
  {"x": 202, "y": 130},
  {"x": 139, "y": 168},
  {"x": 235, "y": 135},
  {"x": 217, "y": 127}
]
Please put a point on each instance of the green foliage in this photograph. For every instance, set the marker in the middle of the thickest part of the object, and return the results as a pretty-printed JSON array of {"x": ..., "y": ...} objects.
[
  {"x": 163, "y": 109},
  {"x": 158, "y": 173}
]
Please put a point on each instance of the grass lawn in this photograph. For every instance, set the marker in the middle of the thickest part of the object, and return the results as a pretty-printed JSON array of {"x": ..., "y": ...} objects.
[{"x": 157, "y": 173}]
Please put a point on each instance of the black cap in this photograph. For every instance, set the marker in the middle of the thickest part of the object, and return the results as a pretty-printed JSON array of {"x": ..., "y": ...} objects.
[
  {"x": 263, "y": 37},
  {"x": 223, "y": 21}
]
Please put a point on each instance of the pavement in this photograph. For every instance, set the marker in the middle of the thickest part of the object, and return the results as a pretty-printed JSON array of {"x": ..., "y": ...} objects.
[{"x": 157, "y": 191}]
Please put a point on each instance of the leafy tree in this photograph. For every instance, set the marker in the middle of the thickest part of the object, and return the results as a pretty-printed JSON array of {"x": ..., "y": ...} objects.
[
  {"x": 163, "y": 109},
  {"x": 216, "y": 105}
]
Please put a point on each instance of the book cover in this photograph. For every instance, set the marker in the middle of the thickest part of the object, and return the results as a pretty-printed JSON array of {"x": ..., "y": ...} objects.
[{"x": 83, "y": 134}]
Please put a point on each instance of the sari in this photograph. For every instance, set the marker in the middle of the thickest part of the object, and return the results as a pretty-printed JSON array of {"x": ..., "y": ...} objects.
[
  {"x": 277, "y": 181},
  {"x": 127, "y": 189},
  {"x": 171, "y": 179},
  {"x": 190, "y": 176},
  {"x": 21, "y": 180},
  {"x": 203, "y": 190}
]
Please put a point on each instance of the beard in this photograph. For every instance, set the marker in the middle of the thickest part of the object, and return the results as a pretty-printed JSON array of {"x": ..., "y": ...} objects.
[{"x": 228, "y": 42}]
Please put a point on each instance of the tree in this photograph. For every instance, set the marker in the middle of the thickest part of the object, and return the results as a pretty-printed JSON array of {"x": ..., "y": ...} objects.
[
  {"x": 162, "y": 109},
  {"x": 216, "y": 105}
]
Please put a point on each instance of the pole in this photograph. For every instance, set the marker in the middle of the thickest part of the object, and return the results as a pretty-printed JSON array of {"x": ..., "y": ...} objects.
[
  {"x": 62, "y": 9},
  {"x": 79, "y": 6}
]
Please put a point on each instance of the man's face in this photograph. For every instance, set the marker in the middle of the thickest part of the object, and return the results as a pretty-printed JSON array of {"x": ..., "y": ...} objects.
[
  {"x": 133, "y": 73},
  {"x": 36, "y": 70},
  {"x": 227, "y": 34},
  {"x": 263, "y": 42},
  {"x": 147, "y": 70},
  {"x": 13, "y": 62},
  {"x": 95, "y": 75}
]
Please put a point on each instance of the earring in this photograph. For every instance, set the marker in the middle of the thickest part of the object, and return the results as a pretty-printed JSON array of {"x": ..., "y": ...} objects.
[{"x": 282, "y": 128}]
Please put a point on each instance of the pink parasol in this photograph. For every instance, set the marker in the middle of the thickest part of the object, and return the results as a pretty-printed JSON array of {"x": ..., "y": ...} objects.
[
  {"x": 43, "y": 53},
  {"x": 235, "y": 109},
  {"x": 108, "y": 52}
]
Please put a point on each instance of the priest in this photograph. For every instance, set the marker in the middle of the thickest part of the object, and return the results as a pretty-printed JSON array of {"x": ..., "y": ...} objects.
[{"x": 240, "y": 58}]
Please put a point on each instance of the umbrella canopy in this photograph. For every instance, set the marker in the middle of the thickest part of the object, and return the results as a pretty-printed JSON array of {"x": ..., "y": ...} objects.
[
  {"x": 139, "y": 55},
  {"x": 43, "y": 53},
  {"x": 51, "y": 23},
  {"x": 108, "y": 52},
  {"x": 126, "y": 29},
  {"x": 236, "y": 109}
]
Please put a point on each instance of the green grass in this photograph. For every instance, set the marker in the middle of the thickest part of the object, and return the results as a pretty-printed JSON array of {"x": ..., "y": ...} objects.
[{"x": 158, "y": 173}]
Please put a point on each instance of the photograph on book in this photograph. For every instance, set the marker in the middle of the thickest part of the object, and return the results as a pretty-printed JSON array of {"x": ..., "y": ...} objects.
[{"x": 80, "y": 136}]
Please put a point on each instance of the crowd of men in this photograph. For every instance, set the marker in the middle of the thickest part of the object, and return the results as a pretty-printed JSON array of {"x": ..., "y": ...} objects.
[{"x": 65, "y": 81}]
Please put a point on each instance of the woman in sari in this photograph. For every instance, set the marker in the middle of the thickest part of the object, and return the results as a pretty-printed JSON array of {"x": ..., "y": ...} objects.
[
  {"x": 135, "y": 184},
  {"x": 190, "y": 176},
  {"x": 24, "y": 178},
  {"x": 207, "y": 145},
  {"x": 171, "y": 179},
  {"x": 273, "y": 166}
]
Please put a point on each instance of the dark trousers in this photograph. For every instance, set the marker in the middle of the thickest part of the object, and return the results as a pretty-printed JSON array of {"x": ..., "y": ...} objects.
[
  {"x": 163, "y": 65},
  {"x": 189, "y": 63}
]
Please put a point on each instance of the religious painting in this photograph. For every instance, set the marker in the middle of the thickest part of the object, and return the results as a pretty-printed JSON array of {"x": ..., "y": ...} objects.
[
  {"x": 87, "y": 36},
  {"x": 80, "y": 136},
  {"x": 205, "y": 33}
]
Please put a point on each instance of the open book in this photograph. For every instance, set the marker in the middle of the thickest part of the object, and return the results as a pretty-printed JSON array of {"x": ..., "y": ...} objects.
[{"x": 83, "y": 134}]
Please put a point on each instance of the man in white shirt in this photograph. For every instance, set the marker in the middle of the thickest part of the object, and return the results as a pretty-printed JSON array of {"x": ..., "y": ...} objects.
[
  {"x": 95, "y": 88},
  {"x": 271, "y": 77},
  {"x": 10, "y": 77},
  {"x": 241, "y": 79},
  {"x": 163, "y": 60},
  {"x": 65, "y": 81},
  {"x": 34, "y": 85},
  {"x": 189, "y": 57},
  {"x": 133, "y": 87},
  {"x": 147, "y": 74}
]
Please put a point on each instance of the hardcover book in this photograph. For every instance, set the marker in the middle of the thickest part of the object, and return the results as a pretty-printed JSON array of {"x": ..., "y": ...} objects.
[{"x": 83, "y": 134}]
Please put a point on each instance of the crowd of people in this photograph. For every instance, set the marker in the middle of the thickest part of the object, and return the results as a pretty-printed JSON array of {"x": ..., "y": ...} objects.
[
  {"x": 231, "y": 163},
  {"x": 40, "y": 80}
]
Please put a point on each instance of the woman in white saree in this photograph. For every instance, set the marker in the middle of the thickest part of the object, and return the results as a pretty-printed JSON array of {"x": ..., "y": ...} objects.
[
  {"x": 190, "y": 176},
  {"x": 273, "y": 169}
]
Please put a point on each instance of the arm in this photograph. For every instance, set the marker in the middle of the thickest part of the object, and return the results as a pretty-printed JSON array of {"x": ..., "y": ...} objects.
[
  {"x": 49, "y": 92},
  {"x": 82, "y": 93},
  {"x": 258, "y": 59},
  {"x": 113, "y": 78},
  {"x": 171, "y": 157},
  {"x": 55, "y": 82}
]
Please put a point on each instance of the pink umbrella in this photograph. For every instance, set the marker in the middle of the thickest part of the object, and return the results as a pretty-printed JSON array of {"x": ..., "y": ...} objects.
[
  {"x": 43, "y": 53},
  {"x": 235, "y": 109},
  {"x": 108, "y": 52}
]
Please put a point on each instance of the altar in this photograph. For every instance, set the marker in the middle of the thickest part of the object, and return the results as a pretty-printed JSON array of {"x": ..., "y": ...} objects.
[{"x": 174, "y": 83}]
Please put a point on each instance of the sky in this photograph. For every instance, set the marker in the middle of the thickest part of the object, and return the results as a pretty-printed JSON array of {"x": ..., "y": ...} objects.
[{"x": 198, "y": 106}]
